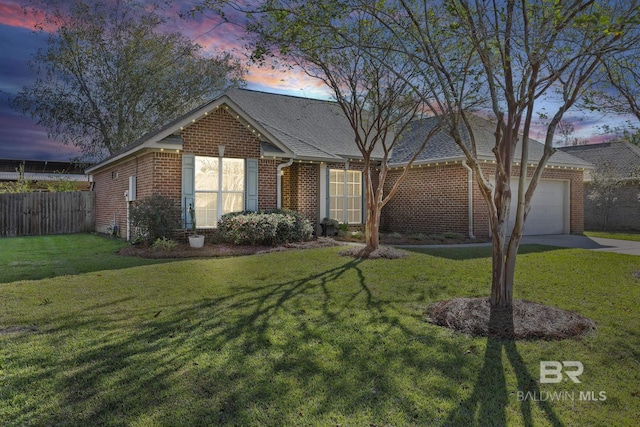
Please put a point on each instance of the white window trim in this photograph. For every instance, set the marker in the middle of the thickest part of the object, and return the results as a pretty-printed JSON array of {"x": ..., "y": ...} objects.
[
  {"x": 220, "y": 192},
  {"x": 345, "y": 196}
]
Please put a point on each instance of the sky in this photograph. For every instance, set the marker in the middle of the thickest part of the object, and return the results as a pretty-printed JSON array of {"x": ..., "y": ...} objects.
[{"x": 22, "y": 139}]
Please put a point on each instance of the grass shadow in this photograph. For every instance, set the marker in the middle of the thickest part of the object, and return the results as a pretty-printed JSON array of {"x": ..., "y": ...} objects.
[
  {"x": 476, "y": 252},
  {"x": 272, "y": 354},
  {"x": 486, "y": 406}
]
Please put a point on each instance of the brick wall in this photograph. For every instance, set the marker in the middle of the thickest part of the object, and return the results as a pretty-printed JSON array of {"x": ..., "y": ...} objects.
[
  {"x": 110, "y": 185},
  {"x": 300, "y": 186},
  {"x": 430, "y": 200},
  {"x": 161, "y": 172},
  {"x": 434, "y": 199}
]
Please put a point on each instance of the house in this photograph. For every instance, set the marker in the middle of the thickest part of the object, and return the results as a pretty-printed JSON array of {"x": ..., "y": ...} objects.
[
  {"x": 618, "y": 161},
  {"x": 249, "y": 150},
  {"x": 441, "y": 192},
  {"x": 44, "y": 172}
]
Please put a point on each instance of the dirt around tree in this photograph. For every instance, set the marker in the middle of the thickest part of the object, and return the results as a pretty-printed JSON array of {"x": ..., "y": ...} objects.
[{"x": 530, "y": 320}]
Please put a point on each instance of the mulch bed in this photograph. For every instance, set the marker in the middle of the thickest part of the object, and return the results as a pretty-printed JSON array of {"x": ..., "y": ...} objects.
[
  {"x": 531, "y": 320},
  {"x": 183, "y": 250}
]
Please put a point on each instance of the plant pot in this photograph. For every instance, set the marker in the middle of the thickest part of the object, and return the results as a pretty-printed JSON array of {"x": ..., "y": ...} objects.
[
  {"x": 328, "y": 230},
  {"x": 196, "y": 241}
]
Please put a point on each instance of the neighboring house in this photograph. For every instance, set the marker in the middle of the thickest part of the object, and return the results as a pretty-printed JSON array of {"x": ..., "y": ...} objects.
[
  {"x": 251, "y": 150},
  {"x": 44, "y": 171},
  {"x": 616, "y": 161}
]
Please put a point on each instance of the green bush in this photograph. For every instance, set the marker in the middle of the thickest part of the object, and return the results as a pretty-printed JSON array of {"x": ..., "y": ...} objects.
[
  {"x": 164, "y": 244},
  {"x": 264, "y": 228},
  {"x": 153, "y": 218}
]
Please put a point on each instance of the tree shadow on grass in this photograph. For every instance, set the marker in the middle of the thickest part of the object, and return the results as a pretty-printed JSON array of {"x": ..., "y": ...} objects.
[
  {"x": 474, "y": 252},
  {"x": 320, "y": 350},
  {"x": 486, "y": 406}
]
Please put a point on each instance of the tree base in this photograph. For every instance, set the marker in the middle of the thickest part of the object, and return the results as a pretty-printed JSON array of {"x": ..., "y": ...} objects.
[{"x": 525, "y": 320}]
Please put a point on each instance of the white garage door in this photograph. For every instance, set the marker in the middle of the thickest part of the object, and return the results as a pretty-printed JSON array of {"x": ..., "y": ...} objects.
[{"x": 549, "y": 208}]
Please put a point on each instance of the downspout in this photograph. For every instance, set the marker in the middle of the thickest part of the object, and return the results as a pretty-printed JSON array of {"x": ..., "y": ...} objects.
[
  {"x": 470, "y": 196},
  {"x": 279, "y": 182}
]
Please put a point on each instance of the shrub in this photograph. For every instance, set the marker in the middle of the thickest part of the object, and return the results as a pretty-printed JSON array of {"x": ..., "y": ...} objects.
[
  {"x": 153, "y": 218},
  {"x": 164, "y": 244},
  {"x": 264, "y": 228}
]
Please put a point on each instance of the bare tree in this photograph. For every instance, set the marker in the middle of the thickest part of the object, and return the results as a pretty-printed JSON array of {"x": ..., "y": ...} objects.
[
  {"x": 526, "y": 51},
  {"x": 109, "y": 75},
  {"x": 376, "y": 92}
]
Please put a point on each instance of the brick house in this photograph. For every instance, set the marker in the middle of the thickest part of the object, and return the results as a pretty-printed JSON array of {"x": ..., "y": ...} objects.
[
  {"x": 619, "y": 161},
  {"x": 251, "y": 150}
]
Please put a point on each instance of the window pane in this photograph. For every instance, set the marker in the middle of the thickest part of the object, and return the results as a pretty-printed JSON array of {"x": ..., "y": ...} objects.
[
  {"x": 231, "y": 202},
  {"x": 354, "y": 210},
  {"x": 206, "y": 174},
  {"x": 354, "y": 183},
  {"x": 206, "y": 209},
  {"x": 336, "y": 182},
  {"x": 232, "y": 174}
]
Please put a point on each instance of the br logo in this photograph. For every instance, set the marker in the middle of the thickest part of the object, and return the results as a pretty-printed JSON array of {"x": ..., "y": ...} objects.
[{"x": 551, "y": 371}]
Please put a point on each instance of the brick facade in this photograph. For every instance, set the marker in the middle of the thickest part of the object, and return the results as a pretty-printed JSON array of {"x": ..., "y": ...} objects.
[
  {"x": 161, "y": 171},
  {"x": 155, "y": 172},
  {"x": 300, "y": 189},
  {"x": 434, "y": 199}
]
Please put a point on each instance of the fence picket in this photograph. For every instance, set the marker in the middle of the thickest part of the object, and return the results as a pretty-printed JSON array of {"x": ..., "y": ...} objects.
[{"x": 42, "y": 213}]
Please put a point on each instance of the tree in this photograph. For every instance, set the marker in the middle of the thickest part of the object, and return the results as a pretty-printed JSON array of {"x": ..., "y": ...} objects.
[
  {"x": 109, "y": 74},
  {"x": 517, "y": 53},
  {"x": 604, "y": 190},
  {"x": 375, "y": 92}
]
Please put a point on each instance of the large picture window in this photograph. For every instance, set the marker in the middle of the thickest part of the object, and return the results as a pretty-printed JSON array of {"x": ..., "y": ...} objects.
[
  {"x": 219, "y": 188},
  {"x": 345, "y": 196}
]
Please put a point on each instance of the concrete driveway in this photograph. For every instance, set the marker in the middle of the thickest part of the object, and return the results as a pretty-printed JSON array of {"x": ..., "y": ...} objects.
[{"x": 584, "y": 242}]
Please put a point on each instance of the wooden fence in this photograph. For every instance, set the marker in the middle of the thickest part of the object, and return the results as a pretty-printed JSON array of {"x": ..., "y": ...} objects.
[{"x": 42, "y": 213}]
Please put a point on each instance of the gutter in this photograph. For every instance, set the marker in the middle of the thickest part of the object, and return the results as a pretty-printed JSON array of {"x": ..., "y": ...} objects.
[
  {"x": 470, "y": 196},
  {"x": 279, "y": 182}
]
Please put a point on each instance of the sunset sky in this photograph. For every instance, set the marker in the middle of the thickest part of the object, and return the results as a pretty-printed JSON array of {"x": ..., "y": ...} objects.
[{"x": 22, "y": 139}]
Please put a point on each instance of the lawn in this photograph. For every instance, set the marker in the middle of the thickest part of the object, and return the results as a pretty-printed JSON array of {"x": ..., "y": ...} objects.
[
  {"x": 304, "y": 338},
  {"x": 634, "y": 236}
]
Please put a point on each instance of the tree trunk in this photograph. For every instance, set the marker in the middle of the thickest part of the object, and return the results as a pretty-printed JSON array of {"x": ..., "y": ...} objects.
[{"x": 372, "y": 229}]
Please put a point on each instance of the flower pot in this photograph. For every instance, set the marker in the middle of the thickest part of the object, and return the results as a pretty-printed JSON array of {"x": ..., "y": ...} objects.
[
  {"x": 328, "y": 230},
  {"x": 196, "y": 241}
]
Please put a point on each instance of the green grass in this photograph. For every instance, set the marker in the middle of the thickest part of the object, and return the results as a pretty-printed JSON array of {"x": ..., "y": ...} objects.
[
  {"x": 308, "y": 338},
  {"x": 634, "y": 236},
  {"x": 31, "y": 258}
]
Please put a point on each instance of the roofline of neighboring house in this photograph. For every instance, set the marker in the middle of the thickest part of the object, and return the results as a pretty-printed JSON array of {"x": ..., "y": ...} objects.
[{"x": 43, "y": 176}]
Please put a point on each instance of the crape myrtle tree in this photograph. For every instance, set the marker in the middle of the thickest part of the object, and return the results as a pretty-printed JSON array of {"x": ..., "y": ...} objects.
[
  {"x": 110, "y": 73},
  {"x": 526, "y": 51},
  {"x": 377, "y": 91}
]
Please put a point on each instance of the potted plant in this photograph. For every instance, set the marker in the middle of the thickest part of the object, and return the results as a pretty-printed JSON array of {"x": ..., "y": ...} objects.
[
  {"x": 329, "y": 227},
  {"x": 195, "y": 240}
]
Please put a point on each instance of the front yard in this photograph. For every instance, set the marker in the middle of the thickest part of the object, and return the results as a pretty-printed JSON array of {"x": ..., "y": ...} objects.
[{"x": 301, "y": 338}]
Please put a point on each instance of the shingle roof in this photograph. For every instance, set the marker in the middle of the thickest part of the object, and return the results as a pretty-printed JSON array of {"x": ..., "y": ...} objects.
[
  {"x": 310, "y": 128},
  {"x": 623, "y": 157},
  {"x": 315, "y": 129},
  {"x": 442, "y": 146}
]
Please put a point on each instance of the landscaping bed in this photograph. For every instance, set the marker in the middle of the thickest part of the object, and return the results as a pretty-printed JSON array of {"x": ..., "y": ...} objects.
[{"x": 183, "y": 250}]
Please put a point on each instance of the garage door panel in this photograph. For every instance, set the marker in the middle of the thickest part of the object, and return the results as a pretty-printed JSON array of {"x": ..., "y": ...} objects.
[{"x": 549, "y": 208}]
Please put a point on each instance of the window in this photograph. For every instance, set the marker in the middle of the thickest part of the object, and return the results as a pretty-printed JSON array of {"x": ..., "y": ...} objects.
[
  {"x": 345, "y": 196},
  {"x": 219, "y": 188}
]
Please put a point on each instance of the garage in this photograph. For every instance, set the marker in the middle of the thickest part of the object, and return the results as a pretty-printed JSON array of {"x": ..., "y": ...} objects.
[{"x": 549, "y": 208}]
